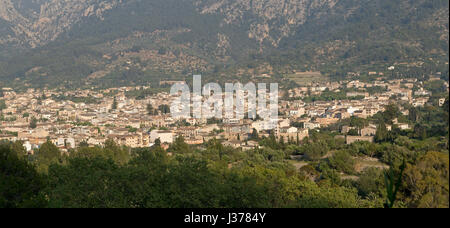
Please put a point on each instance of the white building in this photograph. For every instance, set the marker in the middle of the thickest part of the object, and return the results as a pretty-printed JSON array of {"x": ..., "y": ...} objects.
[
  {"x": 163, "y": 136},
  {"x": 311, "y": 126}
]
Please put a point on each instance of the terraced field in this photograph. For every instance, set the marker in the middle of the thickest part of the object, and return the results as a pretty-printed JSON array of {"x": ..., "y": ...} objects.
[{"x": 307, "y": 78}]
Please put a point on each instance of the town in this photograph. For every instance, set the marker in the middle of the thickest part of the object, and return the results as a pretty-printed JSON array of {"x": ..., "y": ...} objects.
[{"x": 91, "y": 117}]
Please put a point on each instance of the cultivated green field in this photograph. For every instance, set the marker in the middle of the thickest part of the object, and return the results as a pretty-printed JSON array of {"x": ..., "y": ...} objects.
[{"x": 306, "y": 78}]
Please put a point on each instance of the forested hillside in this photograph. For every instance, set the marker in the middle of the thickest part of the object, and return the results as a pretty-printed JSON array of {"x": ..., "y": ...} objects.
[{"x": 54, "y": 42}]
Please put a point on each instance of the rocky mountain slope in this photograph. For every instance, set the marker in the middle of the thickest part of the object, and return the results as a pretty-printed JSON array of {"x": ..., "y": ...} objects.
[
  {"x": 36, "y": 22},
  {"x": 33, "y": 23}
]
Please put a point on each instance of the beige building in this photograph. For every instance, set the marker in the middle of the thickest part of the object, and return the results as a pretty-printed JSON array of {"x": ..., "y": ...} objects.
[
  {"x": 352, "y": 139},
  {"x": 163, "y": 136}
]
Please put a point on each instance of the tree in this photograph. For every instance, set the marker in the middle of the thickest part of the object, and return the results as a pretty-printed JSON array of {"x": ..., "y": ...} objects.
[
  {"x": 150, "y": 109},
  {"x": 47, "y": 154},
  {"x": 420, "y": 132},
  {"x": 179, "y": 146},
  {"x": 371, "y": 181},
  {"x": 391, "y": 112},
  {"x": 2, "y": 105},
  {"x": 343, "y": 161},
  {"x": 20, "y": 184},
  {"x": 116, "y": 153},
  {"x": 83, "y": 144},
  {"x": 413, "y": 114},
  {"x": 254, "y": 134},
  {"x": 162, "y": 50},
  {"x": 393, "y": 181},
  {"x": 381, "y": 133},
  {"x": 87, "y": 183},
  {"x": 359, "y": 123},
  {"x": 445, "y": 107},
  {"x": 353, "y": 132},
  {"x": 216, "y": 147},
  {"x": 315, "y": 151},
  {"x": 18, "y": 149},
  {"x": 427, "y": 182},
  {"x": 165, "y": 109},
  {"x": 111, "y": 151},
  {"x": 33, "y": 122},
  {"x": 114, "y": 104},
  {"x": 158, "y": 142}
]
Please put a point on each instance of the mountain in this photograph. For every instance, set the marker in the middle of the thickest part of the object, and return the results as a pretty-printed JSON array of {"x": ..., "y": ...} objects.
[{"x": 119, "y": 42}]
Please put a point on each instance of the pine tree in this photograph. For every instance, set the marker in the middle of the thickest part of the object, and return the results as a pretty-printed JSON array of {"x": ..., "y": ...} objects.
[
  {"x": 33, "y": 122},
  {"x": 114, "y": 105}
]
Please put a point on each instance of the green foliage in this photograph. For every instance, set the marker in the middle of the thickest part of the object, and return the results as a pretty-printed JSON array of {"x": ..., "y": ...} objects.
[
  {"x": 2, "y": 105},
  {"x": 382, "y": 133},
  {"x": 114, "y": 104},
  {"x": 375, "y": 33},
  {"x": 140, "y": 94},
  {"x": 353, "y": 132},
  {"x": 33, "y": 122},
  {"x": 314, "y": 151},
  {"x": 47, "y": 154},
  {"x": 112, "y": 151},
  {"x": 314, "y": 196},
  {"x": 392, "y": 111},
  {"x": 179, "y": 146},
  {"x": 211, "y": 175},
  {"x": 86, "y": 100},
  {"x": 84, "y": 183},
  {"x": 151, "y": 110},
  {"x": 426, "y": 184},
  {"x": 331, "y": 96},
  {"x": 359, "y": 123},
  {"x": 18, "y": 149},
  {"x": 20, "y": 183},
  {"x": 393, "y": 181},
  {"x": 371, "y": 181},
  {"x": 343, "y": 161},
  {"x": 164, "y": 109}
]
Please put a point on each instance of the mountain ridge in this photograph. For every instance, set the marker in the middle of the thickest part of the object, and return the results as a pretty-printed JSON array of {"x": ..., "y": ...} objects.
[{"x": 140, "y": 41}]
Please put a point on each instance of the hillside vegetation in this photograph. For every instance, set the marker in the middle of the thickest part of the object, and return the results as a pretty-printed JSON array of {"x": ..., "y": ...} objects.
[{"x": 133, "y": 42}]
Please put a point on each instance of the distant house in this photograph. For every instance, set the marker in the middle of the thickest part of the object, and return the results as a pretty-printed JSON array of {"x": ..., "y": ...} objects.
[
  {"x": 97, "y": 141},
  {"x": 356, "y": 94},
  {"x": 232, "y": 143},
  {"x": 441, "y": 102},
  {"x": 420, "y": 102},
  {"x": 422, "y": 92},
  {"x": 68, "y": 142},
  {"x": 403, "y": 126},
  {"x": 237, "y": 128},
  {"x": 163, "y": 136},
  {"x": 8, "y": 137},
  {"x": 368, "y": 131},
  {"x": 346, "y": 129},
  {"x": 326, "y": 121},
  {"x": 187, "y": 132},
  {"x": 194, "y": 141},
  {"x": 297, "y": 112},
  {"x": 253, "y": 144},
  {"x": 311, "y": 126},
  {"x": 352, "y": 139},
  {"x": 287, "y": 133}
]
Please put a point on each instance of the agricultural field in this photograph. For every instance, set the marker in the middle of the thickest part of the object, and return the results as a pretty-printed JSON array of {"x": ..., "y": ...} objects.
[{"x": 307, "y": 78}]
